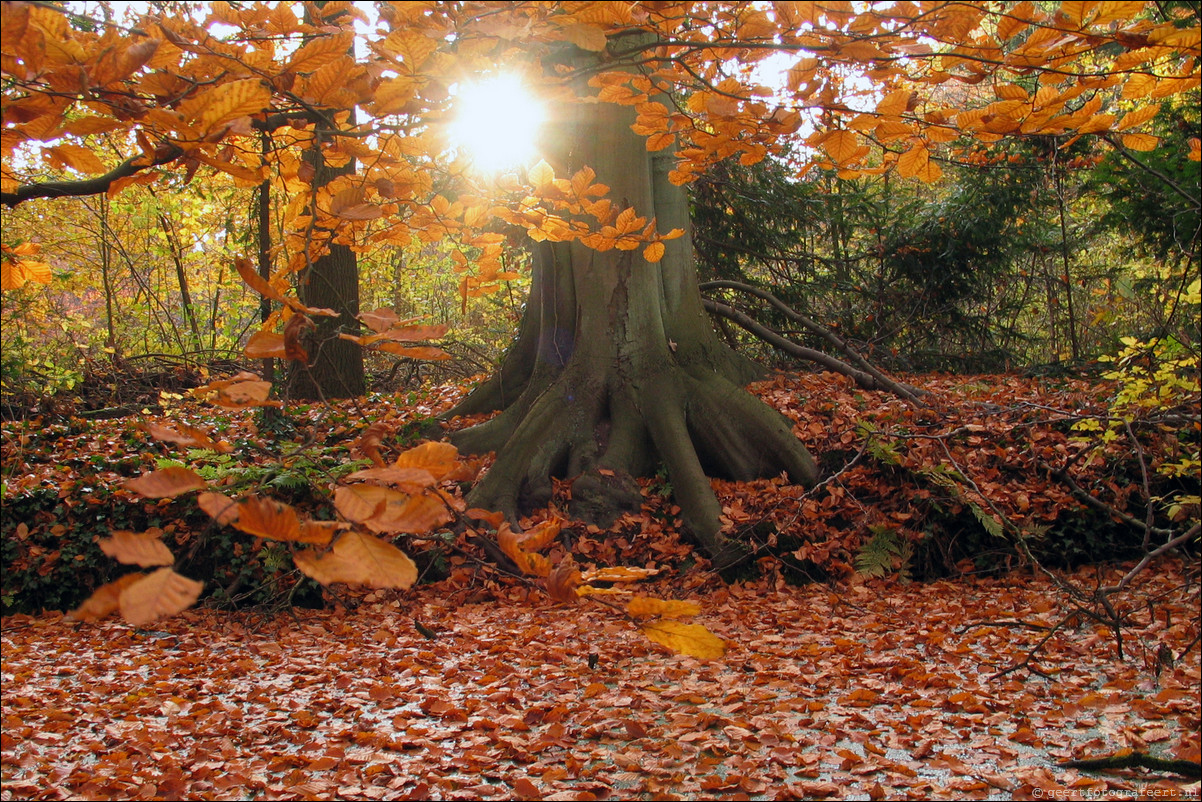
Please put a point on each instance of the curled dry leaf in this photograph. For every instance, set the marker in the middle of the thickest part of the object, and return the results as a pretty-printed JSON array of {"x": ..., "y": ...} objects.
[
  {"x": 145, "y": 549},
  {"x": 562, "y": 582},
  {"x": 513, "y": 543},
  {"x": 493, "y": 519},
  {"x": 264, "y": 517},
  {"x": 166, "y": 483},
  {"x": 265, "y": 345},
  {"x": 104, "y": 600},
  {"x": 693, "y": 640},
  {"x": 158, "y": 595},
  {"x": 359, "y": 559},
  {"x": 368, "y": 443},
  {"x": 294, "y": 332}
]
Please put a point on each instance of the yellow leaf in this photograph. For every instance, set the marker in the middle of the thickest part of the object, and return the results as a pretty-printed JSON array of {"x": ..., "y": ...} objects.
[
  {"x": 157, "y": 595},
  {"x": 894, "y": 104},
  {"x": 1138, "y": 85},
  {"x": 320, "y": 52},
  {"x": 916, "y": 163},
  {"x": 541, "y": 175},
  {"x": 654, "y": 252},
  {"x": 144, "y": 549},
  {"x": 1010, "y": 92},
  {"x": 1009, "y": 26},
  {"x": 1137, "y": 117},
  {"x": 234, "y": 100},
  {"x": 841, "y": 145},
  {"x": 359, "y": 559},
  {"x": 1140, "y": 141},
  {"x": 643, "y": 606},
  {"x": 166, "y": 483},
  {"x": 693, "y": 640},
  {"x": 657, "y": 142}
]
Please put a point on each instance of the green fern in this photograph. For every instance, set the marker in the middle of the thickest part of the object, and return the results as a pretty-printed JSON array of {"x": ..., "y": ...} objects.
[{"x": 885, "y": 553}]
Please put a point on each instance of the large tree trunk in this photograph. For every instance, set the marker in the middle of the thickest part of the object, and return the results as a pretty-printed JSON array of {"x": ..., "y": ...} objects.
[{"x": 617, "y": 369}]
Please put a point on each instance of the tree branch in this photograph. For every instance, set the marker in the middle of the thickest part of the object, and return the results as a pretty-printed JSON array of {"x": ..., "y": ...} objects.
[{"x": 879, "y": 378}]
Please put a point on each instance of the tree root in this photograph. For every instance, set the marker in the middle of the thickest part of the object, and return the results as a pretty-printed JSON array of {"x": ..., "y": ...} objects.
[{"x": 601, "y": 434}]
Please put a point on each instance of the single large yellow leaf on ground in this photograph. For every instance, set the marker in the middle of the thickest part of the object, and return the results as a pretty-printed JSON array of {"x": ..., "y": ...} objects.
[
  {"x": 167, "y": 483},
  {"x": 691, "y": 639},
  {"x": 158, "y": 595},
  {"x": 359, "y": 559},
  {"x": 132, "y": 548}
]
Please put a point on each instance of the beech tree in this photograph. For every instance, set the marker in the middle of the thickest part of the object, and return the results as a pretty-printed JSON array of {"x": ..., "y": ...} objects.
[{"x": 616, "y": 368}]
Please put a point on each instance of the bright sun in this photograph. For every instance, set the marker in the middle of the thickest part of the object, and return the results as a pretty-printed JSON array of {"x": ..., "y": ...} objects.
[{"x": 496, "y": 123}]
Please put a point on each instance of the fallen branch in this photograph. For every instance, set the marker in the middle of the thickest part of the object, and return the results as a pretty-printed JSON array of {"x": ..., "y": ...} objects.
[
  {"x": 853, "y": 356},
  {"x": 1131, "y": 759},
  {"x": 866, "y": 380}
]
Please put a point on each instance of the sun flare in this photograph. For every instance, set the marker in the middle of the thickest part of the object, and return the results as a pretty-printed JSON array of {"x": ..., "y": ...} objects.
[{"x": 496, "y": 123}]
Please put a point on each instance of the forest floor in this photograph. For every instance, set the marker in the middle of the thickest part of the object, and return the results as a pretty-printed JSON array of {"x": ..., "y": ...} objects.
[
  {"x": 877, "y": 689},
  {"x": 842, "y": 677}
]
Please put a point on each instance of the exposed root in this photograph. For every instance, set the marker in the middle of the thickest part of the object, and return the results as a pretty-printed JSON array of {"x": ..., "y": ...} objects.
[{"x": 603, "y": 435}]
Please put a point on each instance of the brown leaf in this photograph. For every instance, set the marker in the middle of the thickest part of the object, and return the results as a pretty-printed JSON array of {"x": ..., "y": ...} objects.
[
  {"x": 268, "y": 518},
  {"x": 145, "y": 549},
  {"x": 440, "y": 459},
  {"x": 359, "y": 559},
  {"x": 185, "y": 435},
  {"x": 294, "y": 331},
  {"x": 222, "y": 509},
  {"x": 166, "y": 483},
  {"x": 104, "y": 600},
  {"x": 157, "y": 595},
  {"x": 562, "y": 582}
]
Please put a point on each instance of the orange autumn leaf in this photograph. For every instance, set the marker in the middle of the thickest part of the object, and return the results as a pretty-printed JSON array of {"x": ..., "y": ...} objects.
[
  {"x": 562, "y": 581},
  {"x": 144, "y": 549},
  {"x": 359, "y": 559},
  {"x": 105, "y": 600},
  {"x": 166, "y": 483},
  {"x": 158, "y": 595}
]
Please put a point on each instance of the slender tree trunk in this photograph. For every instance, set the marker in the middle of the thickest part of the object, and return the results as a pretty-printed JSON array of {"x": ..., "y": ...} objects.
[
  {"x": 617, "y": 369},
  {"x": 106, "y": 264}
]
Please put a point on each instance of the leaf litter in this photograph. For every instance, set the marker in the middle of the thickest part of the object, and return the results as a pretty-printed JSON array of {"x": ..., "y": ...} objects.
[
  {"x": 852, "y": 688},
  {"x": 876, "y": 689}
]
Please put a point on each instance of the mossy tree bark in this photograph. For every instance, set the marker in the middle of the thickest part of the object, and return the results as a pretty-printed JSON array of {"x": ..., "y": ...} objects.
[{"x": 616, "y": 369}]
